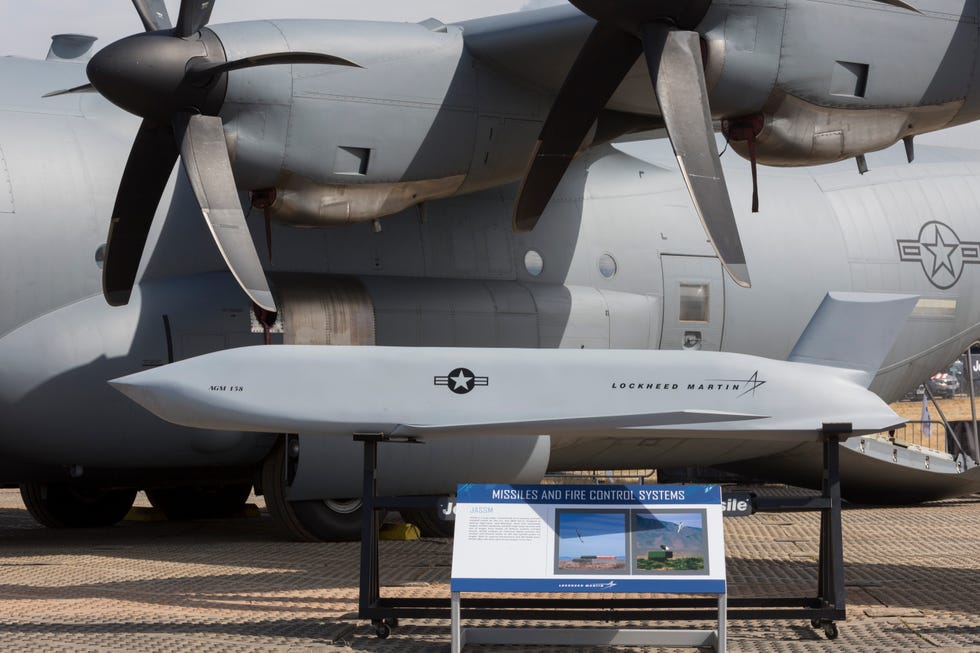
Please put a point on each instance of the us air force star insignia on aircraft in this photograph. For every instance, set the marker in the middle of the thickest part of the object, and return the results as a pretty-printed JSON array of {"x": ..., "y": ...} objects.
[
  {"x": 940, "y": 252},
  {"x": 461, "y": 380}
]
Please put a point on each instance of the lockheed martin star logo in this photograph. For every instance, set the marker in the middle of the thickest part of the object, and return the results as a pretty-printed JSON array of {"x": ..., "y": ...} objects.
[
  {"x": 751, "y": 384},
  {"x": 940, "y": 252},
  {"x": 461, "y": 380}
]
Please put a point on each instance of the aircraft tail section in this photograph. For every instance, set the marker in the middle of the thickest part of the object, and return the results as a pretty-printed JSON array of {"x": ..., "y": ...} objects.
[{"x": 854, "y": 331}]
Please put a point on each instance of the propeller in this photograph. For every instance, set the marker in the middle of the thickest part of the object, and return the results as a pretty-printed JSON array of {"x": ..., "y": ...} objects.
[
  {"x": 662, "y": 30},
  {"x": 625, "y": 29},
  {"x": 175, "y": 78}
]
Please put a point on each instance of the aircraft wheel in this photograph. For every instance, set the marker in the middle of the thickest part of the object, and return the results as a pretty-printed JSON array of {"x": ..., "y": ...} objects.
[
  {"x": 429, "y": 522},
  {"x": 205, "y": 502},
  {"x": 330, "y": 520},
  {"x": 63, "y": 505}
]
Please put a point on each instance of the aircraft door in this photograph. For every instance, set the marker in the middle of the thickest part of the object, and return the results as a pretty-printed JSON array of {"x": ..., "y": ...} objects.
[{"x": 694, "y": 302}]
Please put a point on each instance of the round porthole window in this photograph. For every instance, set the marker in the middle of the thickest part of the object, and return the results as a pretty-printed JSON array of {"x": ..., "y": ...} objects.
[
  {"x": 533, "y": 262},
  {"x": 607, "y": 266},
  {"x": 100, "y": 255}
]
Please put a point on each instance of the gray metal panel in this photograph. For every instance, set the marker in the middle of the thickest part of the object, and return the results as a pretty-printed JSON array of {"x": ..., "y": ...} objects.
[
  {"x": 744, "y": 43},
  {"x": 69, "y": 354},
  {"x": 47, "y": 252},
  {"x": 938, "y": 51},
  {"x": 697, "y": 270},
  {"x": 435, "y": 467},
  {"x": 517, "y": 321},
  {"x": 536, "y": 46},
  {"x": 572, "y": 316},
  {"x": 416, "y": 126},
  {"x": 634, "y": 320}
]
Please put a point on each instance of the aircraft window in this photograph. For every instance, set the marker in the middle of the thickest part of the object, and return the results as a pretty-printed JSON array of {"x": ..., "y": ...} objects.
[
  {"x": 533, "y": 263},
  {"x": 694, "y": 302},
  {"x": 607, "y": 266},
  {"x": 100, "y": 255}
]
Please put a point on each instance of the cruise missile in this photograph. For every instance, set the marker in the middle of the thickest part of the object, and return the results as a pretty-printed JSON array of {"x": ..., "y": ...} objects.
[{"x": 439, "y": 392}]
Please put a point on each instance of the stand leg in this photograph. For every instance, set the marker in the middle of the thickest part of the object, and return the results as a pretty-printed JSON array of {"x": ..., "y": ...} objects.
[
  {"x": 722, "y": 643},
  {"x": 831, "y": 578},
  {"x": 456, "y": 642},
  {"x": 370, "y": 591}
]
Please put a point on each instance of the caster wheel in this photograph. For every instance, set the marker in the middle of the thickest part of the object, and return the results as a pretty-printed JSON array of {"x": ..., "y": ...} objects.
[
  {"x": 830, "y": 630},
  {"x": 382, "y": 630},
  {"x": 814, "y": 623}
]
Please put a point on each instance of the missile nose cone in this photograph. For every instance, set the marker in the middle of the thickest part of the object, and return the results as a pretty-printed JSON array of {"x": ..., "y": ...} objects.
[{"x": 138, "y": 388}]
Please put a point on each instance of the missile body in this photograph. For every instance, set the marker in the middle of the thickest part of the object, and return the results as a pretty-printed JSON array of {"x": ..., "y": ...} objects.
[{"x": 440, "y": 392}]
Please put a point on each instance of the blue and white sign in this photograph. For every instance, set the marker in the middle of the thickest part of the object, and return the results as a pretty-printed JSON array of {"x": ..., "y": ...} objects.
[{"x": 589, "y": 538}]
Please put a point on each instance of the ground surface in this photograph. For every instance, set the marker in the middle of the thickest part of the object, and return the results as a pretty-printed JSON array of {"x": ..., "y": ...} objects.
[
  {"x": 956, "y": 409},
  {"x": 912, "y": 575}
]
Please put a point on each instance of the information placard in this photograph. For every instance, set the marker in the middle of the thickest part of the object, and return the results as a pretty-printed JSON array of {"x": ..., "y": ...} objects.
[{"x": 589, "y": 538}]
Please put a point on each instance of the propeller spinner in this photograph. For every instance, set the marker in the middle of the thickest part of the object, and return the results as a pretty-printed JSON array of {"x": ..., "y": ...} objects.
[
  {"x": 175, "y": 79},
  {"x": 660, "y": 29}
]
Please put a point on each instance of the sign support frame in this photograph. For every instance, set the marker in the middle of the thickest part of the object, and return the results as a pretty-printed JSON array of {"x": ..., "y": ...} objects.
[{"x": 823, "y": 611}]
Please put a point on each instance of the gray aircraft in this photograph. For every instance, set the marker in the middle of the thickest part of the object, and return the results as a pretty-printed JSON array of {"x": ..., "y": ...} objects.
[{"x": 422, "y": 147}]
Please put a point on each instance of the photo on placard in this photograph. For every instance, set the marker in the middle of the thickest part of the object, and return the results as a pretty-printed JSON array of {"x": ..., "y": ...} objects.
[
  {"x": 669, "y": 542},
  {"x": 591, "y": 542}
]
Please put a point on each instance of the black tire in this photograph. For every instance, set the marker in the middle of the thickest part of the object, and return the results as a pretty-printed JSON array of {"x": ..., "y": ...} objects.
[
  {"x": 429, "y": 522},
  {"x": 64, "y": 505},
  {"x": 830, "y": 630},
  {"x": 205, "y": 502},
  {"x": 332, "y": 520}
]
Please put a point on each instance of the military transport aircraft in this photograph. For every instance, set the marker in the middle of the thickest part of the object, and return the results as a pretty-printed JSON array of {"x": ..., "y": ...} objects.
[{"x": 432, "y": 166}]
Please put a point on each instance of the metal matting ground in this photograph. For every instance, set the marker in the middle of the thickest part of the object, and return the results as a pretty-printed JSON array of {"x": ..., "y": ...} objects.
[{"x": 912, "y": 574}]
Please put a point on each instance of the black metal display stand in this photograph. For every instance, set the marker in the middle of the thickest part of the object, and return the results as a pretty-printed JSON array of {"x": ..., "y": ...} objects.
[{"x": 823, "y": 610}]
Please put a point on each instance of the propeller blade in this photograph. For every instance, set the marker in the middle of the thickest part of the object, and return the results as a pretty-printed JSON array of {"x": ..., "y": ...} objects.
[
  {"x": 205, "y": 155},
  {"x": 147, "y": 171},
  {"x": 900, "y": 4},
  {"x": 674, "y": 59},
  {"x": 606, "y": 57},
  {"x": 203, "y": 72},
  {"x": 194, "y": 14},
  {"x": 84, "y": 88},
  {"x": 154, "y": 14}
]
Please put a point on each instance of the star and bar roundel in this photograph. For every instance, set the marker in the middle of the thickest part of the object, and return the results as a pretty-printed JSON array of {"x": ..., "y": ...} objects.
[
  {"x": 461, "y": 380},
  {"x": 941, "y": 253}
]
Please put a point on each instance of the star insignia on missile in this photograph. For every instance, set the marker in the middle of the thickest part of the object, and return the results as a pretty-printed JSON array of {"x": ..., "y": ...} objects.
[
  {"x": 940, "y": 252},
  {"x": 461, "y": 380}
]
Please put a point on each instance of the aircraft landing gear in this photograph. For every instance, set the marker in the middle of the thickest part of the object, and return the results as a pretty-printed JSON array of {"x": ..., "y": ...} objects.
[
  {"x": 67, "y": 505},
  {"x": 202, "y": 502},
  {"x": 332, "y": 520}
]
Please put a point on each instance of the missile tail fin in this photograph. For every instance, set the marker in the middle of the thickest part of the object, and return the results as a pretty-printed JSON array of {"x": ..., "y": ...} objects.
[{"x": 853, "y": 330}]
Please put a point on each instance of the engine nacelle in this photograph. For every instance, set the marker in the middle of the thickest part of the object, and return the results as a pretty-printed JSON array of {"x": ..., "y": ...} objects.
[
  {"x": 341, "y": 144},
  {"x": 796, "y": 89},
  {"x": 798, "y": 133}
]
